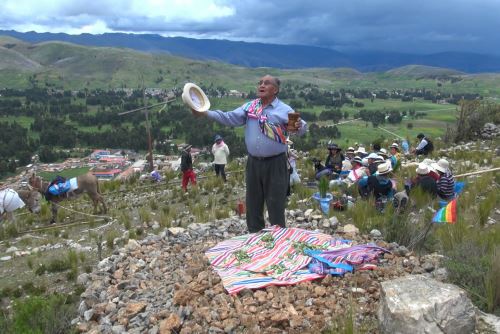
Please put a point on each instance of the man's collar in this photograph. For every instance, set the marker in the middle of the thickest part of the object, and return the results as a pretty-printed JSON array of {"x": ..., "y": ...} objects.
[{"x": 275, "y": 102}]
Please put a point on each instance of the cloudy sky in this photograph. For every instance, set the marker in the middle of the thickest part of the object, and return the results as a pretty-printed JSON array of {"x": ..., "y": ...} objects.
[{"x": 422, "y": 26}]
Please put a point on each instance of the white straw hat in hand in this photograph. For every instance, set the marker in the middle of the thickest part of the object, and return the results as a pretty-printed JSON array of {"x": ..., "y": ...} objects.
[{"x": 195, "y": 98}]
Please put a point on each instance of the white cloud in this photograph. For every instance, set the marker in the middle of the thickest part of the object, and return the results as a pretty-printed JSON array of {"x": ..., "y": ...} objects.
[{"x": 99, "y": 16}]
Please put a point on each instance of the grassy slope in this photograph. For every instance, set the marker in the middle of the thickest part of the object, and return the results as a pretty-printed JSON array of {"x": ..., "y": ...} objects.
[{"x": 74, "y": 67}]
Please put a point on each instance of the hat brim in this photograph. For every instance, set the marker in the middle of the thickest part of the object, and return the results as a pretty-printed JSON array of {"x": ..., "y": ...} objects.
[
  {"x": 422, "y": 171},
  {"x": 195, "y": 97},
  {"x": 440, "y": 169}
]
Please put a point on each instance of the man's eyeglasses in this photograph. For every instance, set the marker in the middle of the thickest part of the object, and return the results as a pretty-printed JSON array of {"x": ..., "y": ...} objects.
[{"x": 266, "y": 83}]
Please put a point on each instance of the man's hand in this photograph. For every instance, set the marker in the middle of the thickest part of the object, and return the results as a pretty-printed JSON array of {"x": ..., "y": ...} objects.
[{"x": 298, "y": 124}]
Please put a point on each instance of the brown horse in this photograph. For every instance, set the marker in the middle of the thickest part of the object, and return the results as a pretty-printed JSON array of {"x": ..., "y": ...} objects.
[{"x": 87, "y": 183}]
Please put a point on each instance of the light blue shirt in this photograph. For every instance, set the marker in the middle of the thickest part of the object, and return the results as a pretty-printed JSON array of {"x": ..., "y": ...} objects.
[
  {"x": 258, "y": 144},
  {"x": 422, "y": 144}
]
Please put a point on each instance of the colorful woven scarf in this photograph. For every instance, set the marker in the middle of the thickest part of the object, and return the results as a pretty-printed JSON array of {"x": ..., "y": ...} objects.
[{"x": 274, "y": 131}]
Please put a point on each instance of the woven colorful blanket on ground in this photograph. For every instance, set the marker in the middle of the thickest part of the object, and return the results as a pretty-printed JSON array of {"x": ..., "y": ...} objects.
[{"x": 278, "y": 256}]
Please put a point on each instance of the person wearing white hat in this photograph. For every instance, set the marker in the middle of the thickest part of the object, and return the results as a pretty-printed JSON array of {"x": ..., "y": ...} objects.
[
  {"x": 424, "y": 180},
  {"x": 361, "y": 152},
  {"x": 379, "y": 184},
  {"x": 357, "y": 172},
  {"x": 373, "y": 161},
  {"x": 267, "y": 177},
  {"x": 349, "y": 153},
  {"x": 446, "y": 183}
]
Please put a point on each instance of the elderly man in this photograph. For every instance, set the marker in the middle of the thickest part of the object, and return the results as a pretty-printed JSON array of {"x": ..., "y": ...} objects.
[{"x": 266, "y": 120}]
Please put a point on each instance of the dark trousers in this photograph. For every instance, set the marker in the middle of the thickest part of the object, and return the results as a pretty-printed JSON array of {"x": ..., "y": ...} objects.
[
  {"x": 266, "y": 181},
  {"x": 219, "y": 170}
]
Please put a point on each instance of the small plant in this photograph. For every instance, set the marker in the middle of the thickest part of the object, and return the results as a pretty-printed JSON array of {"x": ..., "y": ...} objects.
[
  {"x": 323, "y": 186},
  {"x": 110, "y": 238},
  {"x": 51, "y": 314},
  {"x": 145, "y": 214},
  {"x": 29, "y": 262},
  {"x": 486, "y": 206}
]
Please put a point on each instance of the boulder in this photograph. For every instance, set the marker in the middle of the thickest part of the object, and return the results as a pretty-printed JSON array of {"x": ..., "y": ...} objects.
[{"x": 417, "y": 304}]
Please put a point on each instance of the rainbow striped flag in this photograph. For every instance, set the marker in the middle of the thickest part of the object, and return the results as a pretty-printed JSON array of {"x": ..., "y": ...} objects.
[{"x": 447, "y": 214}]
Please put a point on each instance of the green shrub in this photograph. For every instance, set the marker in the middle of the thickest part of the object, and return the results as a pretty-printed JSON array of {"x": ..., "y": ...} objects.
[
  {"x": 472, "y": 266},
  {"x": 58, "y": 265},
  {"x": 485, "y": 207},
  {"x": 145, "y": 214},
  {"x": 34, "y": 315}
]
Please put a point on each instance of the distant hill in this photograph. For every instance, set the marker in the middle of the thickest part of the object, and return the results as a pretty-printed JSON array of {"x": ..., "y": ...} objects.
[
  {"x": 423, "y": 71},
  {"x": 270, "y": 55},
  {"x": 65, "y": 65}
]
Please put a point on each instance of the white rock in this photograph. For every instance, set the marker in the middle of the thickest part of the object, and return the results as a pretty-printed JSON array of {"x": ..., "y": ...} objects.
[
  {"x": 132, "y": 244},
  {"x": 491, "y": 320},
  {"x": 308, "y": 213},
  {"x": 375, "y": 233},
  {"x": 88, "y": 314},
  {"x": 11, "y": 250},
  {"x": 418, "y": 304},
  {"x": 334, "y": 221},
  {"x": 349, "y": 228},
  {"x": 5, "y": 258},
  {"x": 176, "y": 230}
]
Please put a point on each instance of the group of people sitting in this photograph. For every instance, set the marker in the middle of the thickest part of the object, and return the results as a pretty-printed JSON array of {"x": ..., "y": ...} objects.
[
  {"x": 356, "y": 163},
  {"x": 371, "y": 173}
]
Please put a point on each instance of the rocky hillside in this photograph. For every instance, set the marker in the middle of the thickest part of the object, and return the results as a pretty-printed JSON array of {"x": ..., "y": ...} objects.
[
  {"x": 163, "y": 284},
  {"x": 155, "y": 278}
]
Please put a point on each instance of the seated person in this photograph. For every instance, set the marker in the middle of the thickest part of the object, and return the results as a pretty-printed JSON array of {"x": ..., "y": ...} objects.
[
  {"x": 373, "y": 161},
  {"x": 424, "y": 180},
  {"x": 425, "y": 146},
  {"x": 361, "y": 152},
  {"x": 349, "y": 154},
  {"x": 380, "y": 184},
  {"x": 446, "y": 183},
  {"x": 432, "y": 171},
  {"x": 395, "y": 155},
  {"x": 357, "y": 172},
  {"x": 334, "y": 159},
  {"x": 383, "y": 153}
]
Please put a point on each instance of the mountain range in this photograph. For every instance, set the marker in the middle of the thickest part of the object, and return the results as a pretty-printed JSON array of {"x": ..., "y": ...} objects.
[{"x": 270, "y": 55}]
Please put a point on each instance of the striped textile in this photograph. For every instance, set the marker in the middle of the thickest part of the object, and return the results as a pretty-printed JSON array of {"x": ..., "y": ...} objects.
[
  {"x": 274, "y": 256},
  {"x": 275, "y": 131},
  {"x": 338, "y": 262}
]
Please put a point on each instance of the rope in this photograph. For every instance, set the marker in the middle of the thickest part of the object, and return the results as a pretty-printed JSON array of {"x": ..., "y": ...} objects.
[
  {"x": 478, "y": 172},
  {"x": 51, "y": 227},
  {"x": 392, "y": 133},
  {"x": 82, "y": 213},
  {"x": 161, "y": 183}
]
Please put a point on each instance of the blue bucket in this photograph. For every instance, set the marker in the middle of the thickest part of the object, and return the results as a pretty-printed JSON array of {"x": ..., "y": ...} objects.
[{"x": 324, "y": 203}]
